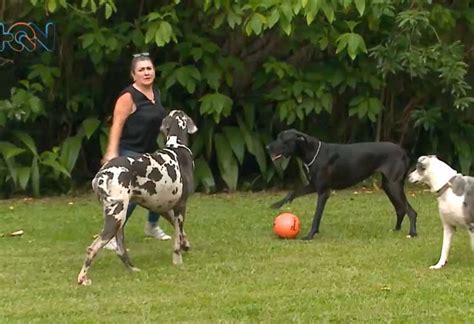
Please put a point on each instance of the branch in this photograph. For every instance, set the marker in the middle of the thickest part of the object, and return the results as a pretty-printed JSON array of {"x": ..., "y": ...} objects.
[
  {"x": 2, "y": 10},
  {"x": 4, "y": 61},
  {"x": 259, "y": 50},
  {"x": 406, "y": 115},
  {"x": 140, "y": 8},
  {"x": 302, "y": 56}
]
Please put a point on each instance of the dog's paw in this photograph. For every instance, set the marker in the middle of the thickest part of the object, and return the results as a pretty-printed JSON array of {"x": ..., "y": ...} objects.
[
  {"x": 437, "y": 266},
  {"x": 307, "y": 238},
  {"x": 410, "y": 236},
  {"x": 135, "y": 269},
  {"x": 84, "y": 281},
  {"x": 177, "y": 259},
  {"x": 186, "y": 246}
]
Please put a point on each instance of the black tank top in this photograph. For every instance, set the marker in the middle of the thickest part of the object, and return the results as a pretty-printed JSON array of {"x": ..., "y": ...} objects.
[{"x": 142, "y": 127}]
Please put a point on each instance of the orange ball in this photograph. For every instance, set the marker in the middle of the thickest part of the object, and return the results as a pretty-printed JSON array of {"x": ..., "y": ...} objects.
[{"x": 286, "y": 225}]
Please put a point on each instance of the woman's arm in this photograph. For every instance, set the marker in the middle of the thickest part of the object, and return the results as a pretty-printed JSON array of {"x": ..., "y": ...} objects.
[{"x": 123, "y": 108}]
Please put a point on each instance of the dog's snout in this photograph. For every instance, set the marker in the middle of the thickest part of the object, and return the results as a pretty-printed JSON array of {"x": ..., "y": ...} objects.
[{"x": 413, "y": 177}]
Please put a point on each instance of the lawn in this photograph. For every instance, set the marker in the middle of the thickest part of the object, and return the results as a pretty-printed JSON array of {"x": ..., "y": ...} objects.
[{"x": 356, "y": 269}]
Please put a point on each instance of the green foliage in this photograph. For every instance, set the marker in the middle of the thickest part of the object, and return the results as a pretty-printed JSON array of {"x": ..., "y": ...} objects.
[
  {"x": 353, "y": 42},
  {"x": 23, "y": 164},
  {"x": 368, "y": 107},
  {"x": 23, "y": 168},
  {"x": 23, "y": 105},
  {"x": 227, "y": 163},
  {"x": 158, "y": 29},
  {"x": 339, "y": 69},
  {"x": 217, "y": 105},
  {"x": 203, "y": 175}
]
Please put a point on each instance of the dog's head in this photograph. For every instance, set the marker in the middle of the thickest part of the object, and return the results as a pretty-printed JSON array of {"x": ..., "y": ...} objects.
[
  {"x": 178, "y": 124},
  {"x": 286, "y": 144},
  {"x": 432, "y": 171}
]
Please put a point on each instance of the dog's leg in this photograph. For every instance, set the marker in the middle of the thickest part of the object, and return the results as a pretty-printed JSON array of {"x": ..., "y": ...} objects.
[
  {"x": 294, "y": 194},
  {"x": 322, "y": 199},
  {"x": 400, "y": 208},
  {"x": 471, "y": 234},
  {"x": 448, "y": 231},
  {"x": 412, "y": 215},
  {"x": 177, "y": 218},
  {"x": 169, "y": 216},
  {"x": 122, "y": 250},
  {"x": 396, "y": 194},
  {"x": 185, "y": 245},
  {"x": 110, "y": 229}
]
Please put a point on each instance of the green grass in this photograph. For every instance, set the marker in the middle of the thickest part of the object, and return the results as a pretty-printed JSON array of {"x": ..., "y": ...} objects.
[{"x": 356, "y": 269}]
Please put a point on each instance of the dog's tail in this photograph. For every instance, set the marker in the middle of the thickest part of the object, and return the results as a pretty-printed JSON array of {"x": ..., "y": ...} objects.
[
  {"x": 406, "y": 164},
  {"x": 101, "y": 184}
]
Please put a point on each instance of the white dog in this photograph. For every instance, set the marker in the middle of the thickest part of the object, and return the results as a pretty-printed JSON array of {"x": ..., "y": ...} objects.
[{"x": 455, "y": 199}]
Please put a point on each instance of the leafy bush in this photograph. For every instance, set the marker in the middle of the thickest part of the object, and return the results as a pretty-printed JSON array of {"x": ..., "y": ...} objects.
[{"x": 342, "y": 70}]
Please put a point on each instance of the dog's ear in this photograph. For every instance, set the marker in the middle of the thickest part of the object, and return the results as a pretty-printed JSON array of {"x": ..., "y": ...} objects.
[
  {"x": 459, "y": 185},
  {"x": 190, "y": 125},
  {"x": 301, "y": 137},
  {"x": 422, "y": 159},
  {"x": 165, "y": 125}
]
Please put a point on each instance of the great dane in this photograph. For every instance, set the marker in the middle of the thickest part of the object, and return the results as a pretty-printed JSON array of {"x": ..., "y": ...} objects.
[
  {"x": 161, "y": 182},
  {"x": 338, "y": 166},
  {"x": 455, "y": 194}
]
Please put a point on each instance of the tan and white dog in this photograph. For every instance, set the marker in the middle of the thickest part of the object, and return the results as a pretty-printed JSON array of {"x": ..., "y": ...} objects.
[{"x": 455, "y": 199}]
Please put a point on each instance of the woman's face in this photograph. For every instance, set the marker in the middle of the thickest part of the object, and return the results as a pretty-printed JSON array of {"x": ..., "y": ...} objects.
[{"x": 144, "y": 73}]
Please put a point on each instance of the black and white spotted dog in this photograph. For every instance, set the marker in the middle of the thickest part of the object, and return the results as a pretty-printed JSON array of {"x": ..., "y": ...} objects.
[
  {"x": 455, "y": 194},
  {"x": 160, "y": 181}
]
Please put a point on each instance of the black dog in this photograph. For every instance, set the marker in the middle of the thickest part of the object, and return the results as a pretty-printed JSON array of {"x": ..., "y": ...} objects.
[{"x": 338, "y": 166}]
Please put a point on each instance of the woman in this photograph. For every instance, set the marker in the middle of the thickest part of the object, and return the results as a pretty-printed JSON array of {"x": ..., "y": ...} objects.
[{"x": 137, "y": 118}]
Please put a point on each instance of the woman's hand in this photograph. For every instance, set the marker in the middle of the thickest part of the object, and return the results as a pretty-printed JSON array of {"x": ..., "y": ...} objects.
[{"x": 107, "y": 157}]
